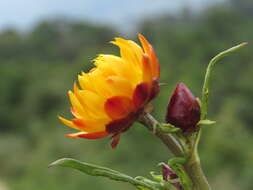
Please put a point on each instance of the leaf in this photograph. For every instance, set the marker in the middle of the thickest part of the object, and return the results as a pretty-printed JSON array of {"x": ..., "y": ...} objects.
[
  {"x": 158, "y": 178},
  {"x": 206, "y": 122},
  {"x": 95, "y": 170},
  {"x": 176, "y": 164},
  {"x": 168, "y": 128},
  {"x": 205, "y": 88},
  {"x": 142, "y": 188}
]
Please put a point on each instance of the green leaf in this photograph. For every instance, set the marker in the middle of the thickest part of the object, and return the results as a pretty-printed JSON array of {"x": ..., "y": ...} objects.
[
  {"x": 148, "y": 181},
  {"x": 158, "y": 178},
  {"x": 95, "y": 170},
  {"x": 176, "y": 165},
  {"x": 206, "y": 122},
  {"x": 142, "y": 188},
  {"x": 168, "y": 128},
  {"x": 205, "y": 89}
]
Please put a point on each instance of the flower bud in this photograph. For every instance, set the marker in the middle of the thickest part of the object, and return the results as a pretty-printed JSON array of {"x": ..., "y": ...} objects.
[
  {"x": 168, "y": 173},
  {"x": 183, "y": 110}
]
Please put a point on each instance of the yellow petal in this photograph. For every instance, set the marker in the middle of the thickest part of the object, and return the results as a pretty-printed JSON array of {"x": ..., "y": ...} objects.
[
  {"x": 129, "y": 51},
  {"x": 119, "y": 67},
  {"x": 120, "y": 86},
  {"x": 68, "y": 123},
  {"x": 84, "y": 82},
  {"x": 90, "y": 125},
  {"x": 76, "y": 104}
]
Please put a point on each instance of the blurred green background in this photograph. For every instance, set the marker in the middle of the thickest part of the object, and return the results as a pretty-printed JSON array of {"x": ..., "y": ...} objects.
[{"x": 38, "y": 66}]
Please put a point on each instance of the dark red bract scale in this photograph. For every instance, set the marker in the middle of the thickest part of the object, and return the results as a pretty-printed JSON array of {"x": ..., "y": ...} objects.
[
  {"x": 183, "y": 110},
  {"x": 121, "y": 125},
  {"x": 141, "y": 94},
  {"x": 115, "y": 140},
  {"x": 155, "y": 89}
]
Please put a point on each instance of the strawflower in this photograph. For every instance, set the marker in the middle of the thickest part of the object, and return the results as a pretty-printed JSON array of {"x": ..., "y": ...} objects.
[{"x": 112, "y": 95}]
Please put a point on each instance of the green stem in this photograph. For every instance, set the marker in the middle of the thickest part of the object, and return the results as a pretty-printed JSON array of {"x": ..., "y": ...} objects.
[
  {"x": 151, "y": 123},
  {"x": 205, "y": 89},
  {"x": 194, "y": 170},
  {"x": 193, "y": 166}
]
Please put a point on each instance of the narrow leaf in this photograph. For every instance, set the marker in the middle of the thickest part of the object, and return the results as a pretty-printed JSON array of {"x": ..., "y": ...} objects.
[
  {"x": 206, "y": 122},
  {"x": 95, "y": 170},
  {"x": 205, "y": 89}
]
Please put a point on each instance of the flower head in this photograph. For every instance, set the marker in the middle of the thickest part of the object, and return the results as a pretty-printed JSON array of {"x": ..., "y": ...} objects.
[
  {"x": 183, "y": 110},
  {"x": 111, "y": 96}
]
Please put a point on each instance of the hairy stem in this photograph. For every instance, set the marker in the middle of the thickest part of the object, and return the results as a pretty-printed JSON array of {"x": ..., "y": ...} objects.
[
  {"x": 150, "y": 122},
  {"x": 194, "y": 170}
]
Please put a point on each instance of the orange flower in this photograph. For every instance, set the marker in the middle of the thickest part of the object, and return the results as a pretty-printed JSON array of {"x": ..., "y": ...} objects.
[{"x": 112, "y": 95}]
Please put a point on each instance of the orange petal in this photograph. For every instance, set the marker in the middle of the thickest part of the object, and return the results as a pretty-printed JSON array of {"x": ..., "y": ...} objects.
[
  {"x": 152, "y": 55},
  {"x": 141, "y": 94},
  {"x": 118, "y": 107},
  {"x": 96, "y": 135},
  {"x": 147, "y": 70},
  {"x": 145, "y": 44},
  {"x": 155, "y": 63}
]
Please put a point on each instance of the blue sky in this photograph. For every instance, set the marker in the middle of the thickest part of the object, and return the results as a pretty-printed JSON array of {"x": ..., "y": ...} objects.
[{"x": 25, "y": 13}]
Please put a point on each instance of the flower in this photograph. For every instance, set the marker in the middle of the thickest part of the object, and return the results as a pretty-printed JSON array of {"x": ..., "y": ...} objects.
[
  {"x": 183, "y": 110},
  {"x": 112, "y": 95}
]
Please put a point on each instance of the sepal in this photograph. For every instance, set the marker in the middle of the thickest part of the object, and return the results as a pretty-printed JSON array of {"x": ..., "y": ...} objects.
[
  {"x": 206, "y": 122},
  {"x": 169, "y": 128}
]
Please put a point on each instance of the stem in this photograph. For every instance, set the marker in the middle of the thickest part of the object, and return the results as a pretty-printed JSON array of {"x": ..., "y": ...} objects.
[
  {"x": 193, "y": 166},
  {"x": 205, "y": 89},
  {"x": 194, "y": 170},
  {"x": 150, "y": 122}
]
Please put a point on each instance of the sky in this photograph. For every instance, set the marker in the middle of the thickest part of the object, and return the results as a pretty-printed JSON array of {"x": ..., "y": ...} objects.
[{"x": 23, "y": 14}]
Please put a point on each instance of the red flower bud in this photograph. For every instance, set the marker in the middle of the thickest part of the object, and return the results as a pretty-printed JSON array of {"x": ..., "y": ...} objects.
[
  {"x": 168, "y": 173},
  {"x": 183, "y": 110}
]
